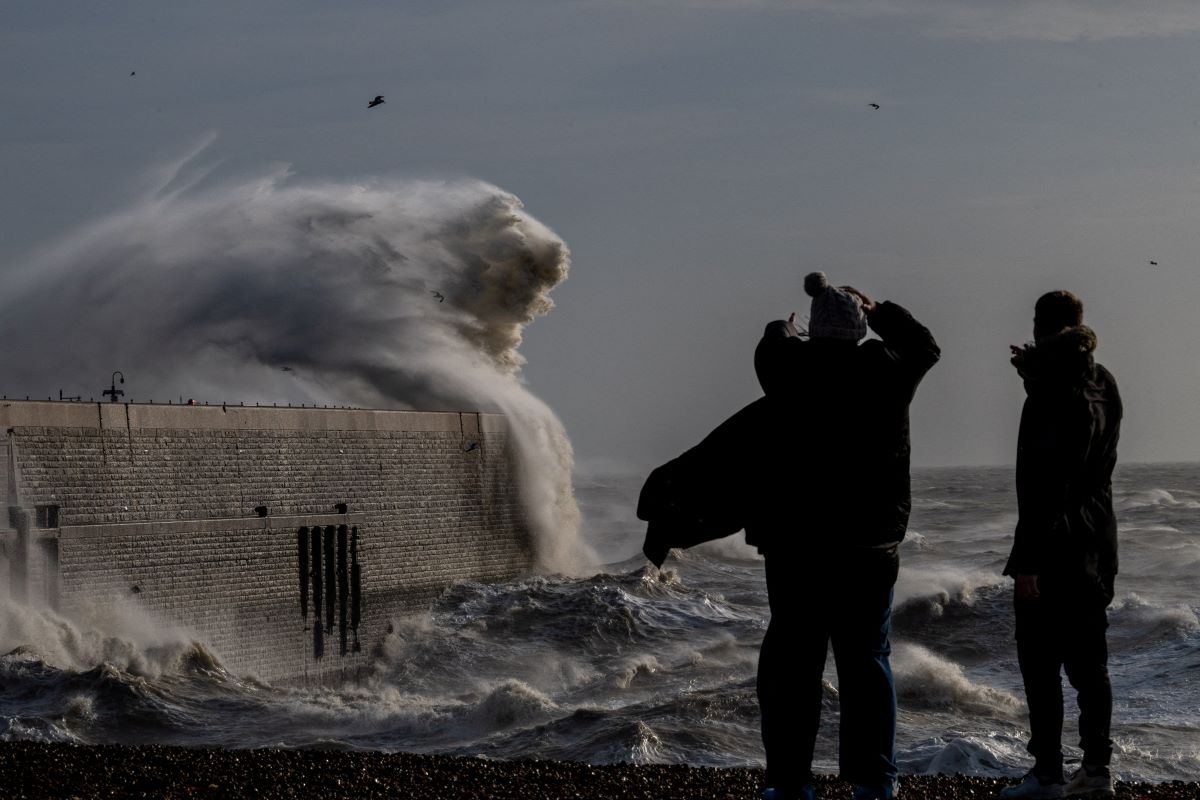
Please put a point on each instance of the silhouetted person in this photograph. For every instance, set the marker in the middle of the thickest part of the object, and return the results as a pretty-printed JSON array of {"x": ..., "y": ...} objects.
[
  {"x": 838, "y": 508},
  {"x": 1064, "y": 555}
]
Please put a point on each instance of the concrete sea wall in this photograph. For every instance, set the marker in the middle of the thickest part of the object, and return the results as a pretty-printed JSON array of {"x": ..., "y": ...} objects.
[{"x": 287, "y": 539}]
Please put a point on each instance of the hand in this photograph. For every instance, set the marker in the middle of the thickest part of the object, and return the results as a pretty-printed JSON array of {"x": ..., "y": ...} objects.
[
  {"x": 790, "y": 327},
  {"x": 1018, "y": 355},
  {"x": 868, "y": 305},
  {"x": 1027, "y": 587}
]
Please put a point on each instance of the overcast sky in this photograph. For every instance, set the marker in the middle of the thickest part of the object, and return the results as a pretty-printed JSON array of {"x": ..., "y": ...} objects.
[{"x": 699, "y": 157}]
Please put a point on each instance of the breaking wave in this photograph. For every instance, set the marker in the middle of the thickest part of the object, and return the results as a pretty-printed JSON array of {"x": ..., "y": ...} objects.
[
  {"x": 925, "y": 680},
  {"x": 383, "y": 293}
]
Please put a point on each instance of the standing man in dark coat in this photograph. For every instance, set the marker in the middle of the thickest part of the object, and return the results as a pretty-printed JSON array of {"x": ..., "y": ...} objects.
[
  {"x": 1064, "y": 555},
  {"x": 830, "y": 529}
]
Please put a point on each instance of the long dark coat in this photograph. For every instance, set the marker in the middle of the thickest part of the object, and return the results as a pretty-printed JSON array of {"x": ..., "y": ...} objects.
[{"x": 1066, "y": 452}]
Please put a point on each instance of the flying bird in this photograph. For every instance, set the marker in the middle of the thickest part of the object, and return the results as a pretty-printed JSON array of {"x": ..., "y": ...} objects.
[
  {"x": 874, "y": 106},
  {"x": 1154, "y": 263},
  {"x": 133, "y": 73},
  {"x": 471, "y": 446},
  {"x": 441, "y": 298},
  {"x": 287, "y": 369},
  {"x": 377, "y": 101}
]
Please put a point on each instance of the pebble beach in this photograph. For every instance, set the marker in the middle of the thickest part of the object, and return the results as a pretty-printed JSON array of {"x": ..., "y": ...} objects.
[{"x": 36, "y": 770}]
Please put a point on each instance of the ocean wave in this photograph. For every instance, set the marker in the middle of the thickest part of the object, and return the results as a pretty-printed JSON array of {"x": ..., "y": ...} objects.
[
  {"x": 1164, "y": 752},
  {"x": 731, "y": 548},
  {"x": 639, "y": 666},
  {"x": 925, "y": 680},
  {"x": 103, "y": 704},
  {"x": 716, "y": 726},
  {"x": 957, "y": 753},
  {"x": 509, "y": 704},
  {"x": 590, "y": 735},
  {"x": 1135, "y": 621},
  {"x": 1149, "y": 498},
  {"x": 932, "y": 590},
  {"x": 33, "y": 729},
  {"x": 594, "y": 613},
  {"x": 118, "y": 633}
]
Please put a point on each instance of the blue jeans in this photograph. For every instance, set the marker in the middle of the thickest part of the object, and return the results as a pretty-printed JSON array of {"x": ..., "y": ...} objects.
[{"x": 846, "y": 600}]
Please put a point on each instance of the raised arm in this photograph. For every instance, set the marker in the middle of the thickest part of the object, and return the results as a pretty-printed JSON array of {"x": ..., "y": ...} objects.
[
  {"x": 777, "y": 358},
  {"x": 907, "y": 343}
]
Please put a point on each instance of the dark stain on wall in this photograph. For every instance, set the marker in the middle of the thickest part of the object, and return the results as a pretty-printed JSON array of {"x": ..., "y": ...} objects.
[
  {"x": 318, "y": 638},
  {"x": 355, "y": 587},
  {"x": 302, "y": 551},
  {"x": 343, "y": 587},
  {"x": 330, "y": 580},
  {"x": 336, "y": 589}
]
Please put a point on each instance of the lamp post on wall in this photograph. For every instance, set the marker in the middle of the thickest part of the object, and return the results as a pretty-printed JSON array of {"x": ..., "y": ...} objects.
[{"x": 114, "y": 391}]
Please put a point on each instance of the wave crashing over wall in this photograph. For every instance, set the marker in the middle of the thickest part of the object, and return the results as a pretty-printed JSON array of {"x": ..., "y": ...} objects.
[{"x": 386, "y": 293}]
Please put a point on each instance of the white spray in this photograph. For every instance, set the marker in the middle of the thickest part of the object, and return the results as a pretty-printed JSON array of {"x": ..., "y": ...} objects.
[
  {"x": 385, "y": 293},
  {"x": 118, "y": 633}
]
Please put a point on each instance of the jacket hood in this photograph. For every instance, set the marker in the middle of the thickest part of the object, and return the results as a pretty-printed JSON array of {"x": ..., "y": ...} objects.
[{"x": 1065, "y": 355}]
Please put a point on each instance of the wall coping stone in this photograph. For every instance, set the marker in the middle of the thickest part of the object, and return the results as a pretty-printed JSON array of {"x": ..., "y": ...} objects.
[{"x": 142, "y": 416}]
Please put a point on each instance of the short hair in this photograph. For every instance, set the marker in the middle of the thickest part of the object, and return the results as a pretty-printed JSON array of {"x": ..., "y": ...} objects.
[{"x": 1055, "y": 311}]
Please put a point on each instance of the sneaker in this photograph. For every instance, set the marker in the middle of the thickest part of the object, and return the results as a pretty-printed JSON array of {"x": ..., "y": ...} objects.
[
  {"x": 1090, "y": 782},
  {"x": 867, "y": 793},
  {"x": 805, "y": 792},
  {"x": 1032, "y": 787}
]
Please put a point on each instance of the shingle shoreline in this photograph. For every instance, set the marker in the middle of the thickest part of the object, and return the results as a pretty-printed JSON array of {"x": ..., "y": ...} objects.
[{"x": 38, "y": 770}]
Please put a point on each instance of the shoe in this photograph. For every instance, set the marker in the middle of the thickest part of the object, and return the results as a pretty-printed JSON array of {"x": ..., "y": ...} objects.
[
  {"x": 805, "y": 792},
  {"x": 1090, "y": 782},
  {"x": 1033, "y": 788},
  {"x": 867, "y": 793}
]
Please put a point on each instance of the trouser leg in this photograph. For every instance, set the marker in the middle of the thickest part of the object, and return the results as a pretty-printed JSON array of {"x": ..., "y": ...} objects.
[
  {"x": 789, "y": 697},
  {"x": 790, "y": 665},
  {"x": 1086, "y": 666},
  {"x": 861, "y": 647},
  {"x": 1038, "y": 654}
]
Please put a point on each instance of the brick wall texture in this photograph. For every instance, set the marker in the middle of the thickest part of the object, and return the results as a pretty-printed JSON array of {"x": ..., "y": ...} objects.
[{"x": 162, "y": 514}]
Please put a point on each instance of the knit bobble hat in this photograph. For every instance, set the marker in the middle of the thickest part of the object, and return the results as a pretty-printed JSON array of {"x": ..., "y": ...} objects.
[{"x": 835, "y": 314}]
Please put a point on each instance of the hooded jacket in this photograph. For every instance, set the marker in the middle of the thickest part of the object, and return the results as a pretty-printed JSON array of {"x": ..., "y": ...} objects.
[{"x": 1066, "y": 451}]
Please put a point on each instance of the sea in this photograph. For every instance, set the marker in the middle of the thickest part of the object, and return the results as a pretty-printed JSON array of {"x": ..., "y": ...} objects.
[{"x": 630, "y": 664}]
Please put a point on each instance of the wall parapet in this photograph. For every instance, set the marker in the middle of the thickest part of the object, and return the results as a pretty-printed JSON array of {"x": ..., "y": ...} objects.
[
  {"x": 63, "y": 414},
  {"x": 156, "y": 505}
]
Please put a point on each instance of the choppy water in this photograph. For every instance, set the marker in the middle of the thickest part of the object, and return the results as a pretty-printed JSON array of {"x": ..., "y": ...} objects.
[{"x": 633, "y": 665}]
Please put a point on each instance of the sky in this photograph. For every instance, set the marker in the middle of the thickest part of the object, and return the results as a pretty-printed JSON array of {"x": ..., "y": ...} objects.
[{"x": 698, "y": 157}]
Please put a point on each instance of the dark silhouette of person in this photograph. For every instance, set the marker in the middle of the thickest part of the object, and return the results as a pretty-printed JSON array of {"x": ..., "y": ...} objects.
[
  {"x": 1064, "y": 554},
  {"x": 833, "y": 518}
]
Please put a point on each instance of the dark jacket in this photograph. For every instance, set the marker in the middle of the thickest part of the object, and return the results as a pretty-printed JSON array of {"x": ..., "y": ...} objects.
[
  {"x": 1066, "y": 451},
  {"x": 824, "y": 456},
  {"x": 843, "y": 410},
  {"x": 712, "y": 490}
]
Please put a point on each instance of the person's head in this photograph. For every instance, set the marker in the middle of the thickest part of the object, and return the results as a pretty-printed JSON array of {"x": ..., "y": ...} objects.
[
  {"x": 1055, "y": 312},
  {"x": 835, "y": 314}
]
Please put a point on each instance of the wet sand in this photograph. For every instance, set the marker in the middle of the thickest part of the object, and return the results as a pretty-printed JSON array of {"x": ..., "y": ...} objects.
[{"x": 35, "y": 770}]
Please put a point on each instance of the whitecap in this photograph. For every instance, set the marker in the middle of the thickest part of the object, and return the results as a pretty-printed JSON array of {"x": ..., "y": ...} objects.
[{"x": 926, "y": 680}]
